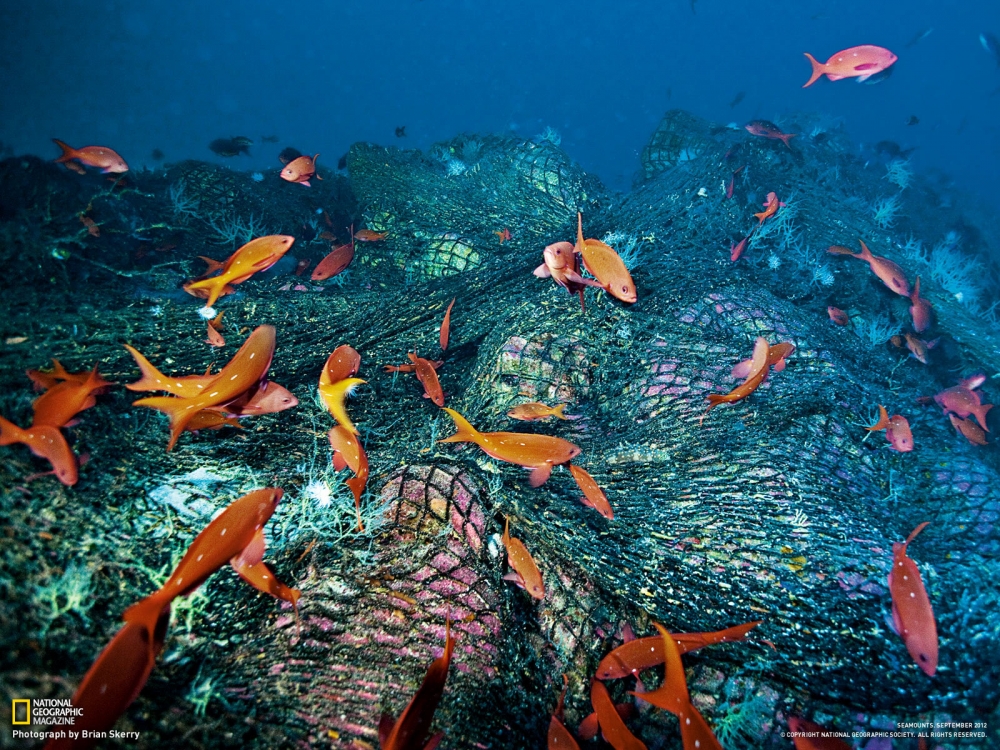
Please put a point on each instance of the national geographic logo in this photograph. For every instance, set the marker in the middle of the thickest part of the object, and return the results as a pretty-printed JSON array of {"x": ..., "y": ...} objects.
[{"x": 50, "y": 711}]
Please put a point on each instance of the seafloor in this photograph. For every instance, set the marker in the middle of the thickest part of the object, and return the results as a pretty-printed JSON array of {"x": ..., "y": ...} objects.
[{"x": 780, "y": 508}]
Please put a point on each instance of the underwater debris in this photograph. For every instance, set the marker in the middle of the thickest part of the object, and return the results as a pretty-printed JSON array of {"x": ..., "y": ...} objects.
[
  {"x": 71, "y": 592},
  {"x": 551, "y": 135},
  {"x": 234, "y": 230},
  {"x": 182, "y": 204},
  {"x": 886, "y": 210},
  {"x": 899, "y": 173}
]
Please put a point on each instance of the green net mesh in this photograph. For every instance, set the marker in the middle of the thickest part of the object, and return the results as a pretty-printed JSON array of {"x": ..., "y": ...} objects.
[{"x": 776, "y": 508}]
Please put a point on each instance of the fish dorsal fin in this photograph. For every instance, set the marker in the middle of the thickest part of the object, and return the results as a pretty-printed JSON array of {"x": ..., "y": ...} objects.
[{"x": 913, "y": 534}]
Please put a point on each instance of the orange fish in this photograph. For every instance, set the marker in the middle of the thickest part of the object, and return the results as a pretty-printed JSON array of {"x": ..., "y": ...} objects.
[
  {"x": 45, "y": 441},
  {"x": 367, "y": 235},
  {"x": 767, "y": 129},
  {"x": 559, "y": 737},
  {"x": 535, "y": 411},
  {"x": 613, "y": 729},
  {"x": 334, "y": 263},
  {"x": 855, "y": 62},
  {"x": 246, "y": 371},
  {"x": 605, "y": 265},
  {"x": 239, "y": 527},
  {"x": 770, "y": 207},
  {"x": 560, "y": 263},
  {"x": 537, "y": 452},
  {"x": 301, "y": 266},
  {"x": 257, "y": 255},
  {"x": 973, "y": 432},
  {"x": 92, "y": 229},
  {"x": 809, "y": 736},
  {"x": 672, "y": 696},
  {"x": 214, "y": 337},
  {"x": 91, "y": 156},
  {"x": 912, "y": 614},
  {"x": 732, "y": 182},
  {"x": 756, "y": 372},
  {"x": 736, "y": 249},
  {"x": 114, "y": 680},
  {"x": 301, "y": 170},
  {"x": 524, "y": 571},
  {"x": 154, "y": 380},
  {"x": 435, "y": 363},
  {"x": 348, "y": 453},
  {"x": 920, "y": 310},
  {"x": 890, "y": 274},
  {"x": 503, "y": 235},
  {"x": 343, "y": 363},
  {"x": 45, "y": 379},
  {"x": 446, "y": 327},
  {"x": 63, "y": 401},
  {"x": 838, "y": 316},
  {"x": 270, "y": 398},
  {"x": 333, "y": 396},
  {"x": 410, "y": 731},
  {"x": 427, "y": 375},
  {"x": 963, "y": 401},
  {"x": 207, "y": 419},
  {"x": 594, "y": 496},
  {"x": 897, "y": 430},
  {"x": 643, "y": 653}
]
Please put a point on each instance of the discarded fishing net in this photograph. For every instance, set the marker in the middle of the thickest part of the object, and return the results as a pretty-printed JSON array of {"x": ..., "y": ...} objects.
[{"x": 776, "y": 508}]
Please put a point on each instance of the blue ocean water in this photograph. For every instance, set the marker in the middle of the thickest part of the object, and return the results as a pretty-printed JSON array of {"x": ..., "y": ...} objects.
[{"x": 321, "y": 75}]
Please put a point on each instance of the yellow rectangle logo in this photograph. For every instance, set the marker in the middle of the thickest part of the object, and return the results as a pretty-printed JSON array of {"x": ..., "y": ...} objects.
[{"x": 20, "y": 711}]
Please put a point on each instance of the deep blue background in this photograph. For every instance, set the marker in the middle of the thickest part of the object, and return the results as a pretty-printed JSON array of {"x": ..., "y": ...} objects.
[{"x": 174, "y": 75}]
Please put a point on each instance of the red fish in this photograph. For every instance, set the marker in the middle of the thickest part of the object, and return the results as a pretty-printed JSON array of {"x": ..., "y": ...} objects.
[
  {"x": 732, "y": 182},
  {"x": 524, "y": 571},
  {"x": 445, "y": 327},
  {"x": 897, "y": 430},
  {"x": 838, "y": 316},
  {"x": 114, "y": 680},
  {"x": 427, "y": 375},
  {"x": 756, "y": 373},
  {"x": 348, "y": 453},
  {"x": 890, "y": 274},
  {"x": 918, "y": 347},
  {"x": 808, "y": 736},
  {"x": 962, "y": 402},
  {"x": 335, "y": 263},
  {"x": 736, "y": 249},
  {"x": 504, "y": 235},
  {"x": 435, "y": 363},
  {"x": 560, "y": 263},
  {"x": 45, "y": 441},
  {"x": 301, "y": 170},
  {"x": 91, "y": 156},
  {"x": 673, "y": 696},
  {"x": 410, "y": 731},
  {"x": 767, "y": 129},
  {"x": 920, "y": 310},
  {"x": 594, "y": 496},
  {"x": 972, "y": 432},
  {"x": 855, "y": 62},
  {"x": 45, "y": 379},
  {"x": 912, "y": 614},
  {"x": 211, "y": 420},
  {"x": 534, "y": 411},
  {"x": 245, "y": 372},
  {"x": 214, "y": 337},
  {"x": 776, "y": 356},
  {"x": 770, "y": 207},
  {"x": 540, "y": 453},
  {"x": 301, "y": 266},
  {"x": 224, "y": 539},
  {"x": 559, "y": 737},
  {"x": 63, "y": 401},
  {"x": 367, "y": 235},
  {"x": 270, "y": 398},
  {"x": 643, "y": 653},
  {"x": 92, "y": 229},
  {"x": 613, "y": 729},
  {"x": 154, "y": 380},
  {"x": 253, "y": 257}
]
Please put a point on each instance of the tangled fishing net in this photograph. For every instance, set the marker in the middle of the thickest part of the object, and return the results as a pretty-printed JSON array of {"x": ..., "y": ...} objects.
[{"x": 775, "y": 508}]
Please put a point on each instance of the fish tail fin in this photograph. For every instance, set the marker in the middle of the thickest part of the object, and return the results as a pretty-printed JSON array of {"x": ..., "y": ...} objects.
[
  {"x": 883, "y": 420},
  {"x": 915, "y": 294},
  {"x": 146, "y": 613},
  {"x": 579, "y": 231},
  {"x": 215, "y": 286},
  {"x": 818, "y": 70},
  {"x": 213, "y": 265},
  {"x": 151, "y": 377},
  {"x": 177, "y": 409},
  {"x": 714, "y": 399},
  {"x": 558, "y": 412},
  {"x": 68, "y": 152},
  {"x": 913, "y": 534},
  {"x": 980, "y": 413},
  {"x": 466, "y": 433},
  {"x": 10, "y": 433},
  {"x": 865, "y": 254},
  {"x": 785, "y": 137}
]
